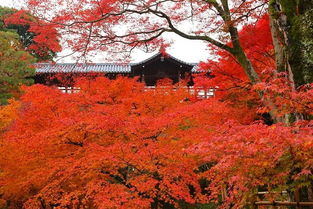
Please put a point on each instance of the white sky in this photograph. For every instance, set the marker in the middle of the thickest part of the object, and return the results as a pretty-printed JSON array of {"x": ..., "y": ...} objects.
[{"x": 186, "y": 50}]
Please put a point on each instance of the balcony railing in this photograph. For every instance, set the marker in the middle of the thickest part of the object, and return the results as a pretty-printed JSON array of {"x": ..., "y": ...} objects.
[{"x": 195, "y": 91}]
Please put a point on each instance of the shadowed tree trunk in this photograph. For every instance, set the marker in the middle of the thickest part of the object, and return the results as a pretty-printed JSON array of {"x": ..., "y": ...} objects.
[{"x": 291, "y": 27}]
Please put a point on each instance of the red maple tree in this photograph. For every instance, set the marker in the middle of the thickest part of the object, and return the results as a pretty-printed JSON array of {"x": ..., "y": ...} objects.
[
  {"x": 39, "y": 37},
  {"x": 231, "y": 84},
  {"x": 112, "y": 145},
  {"x": 116, "y": 145}
]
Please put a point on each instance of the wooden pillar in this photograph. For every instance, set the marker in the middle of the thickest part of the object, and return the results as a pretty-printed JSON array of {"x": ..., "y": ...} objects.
[
  {"x": 297, "y": 198},
  {"x": 142, "y": 75}
]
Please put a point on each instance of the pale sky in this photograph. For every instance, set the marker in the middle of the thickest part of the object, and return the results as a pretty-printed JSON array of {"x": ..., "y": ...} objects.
[{"x": 186, "y": 50}]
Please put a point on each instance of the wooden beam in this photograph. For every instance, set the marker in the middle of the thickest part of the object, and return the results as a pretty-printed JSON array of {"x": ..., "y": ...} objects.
[{"x": 283, "y": 203}]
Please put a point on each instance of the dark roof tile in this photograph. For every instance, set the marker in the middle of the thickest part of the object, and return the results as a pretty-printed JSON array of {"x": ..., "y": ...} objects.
[{"x": 82, "y": 68}]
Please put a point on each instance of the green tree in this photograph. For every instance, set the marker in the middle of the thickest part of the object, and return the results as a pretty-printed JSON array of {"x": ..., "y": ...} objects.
[
  {"x": 4, "y": 11},
  {"x": 15, "y": 66}
]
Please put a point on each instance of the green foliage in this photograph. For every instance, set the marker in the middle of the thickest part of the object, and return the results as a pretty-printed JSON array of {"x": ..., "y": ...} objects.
[
  {"x": 295, "y": 50},
  {"x": 298, "y": 27},
  {"x": 301, "y": 40},
  {"x": 4, "y": 11},
  {"x": 301, "y": 46},
  {"x": 15, "y": 66},
  {"x": 15, "y": 62},
  {"x": 307, "y": 45}
]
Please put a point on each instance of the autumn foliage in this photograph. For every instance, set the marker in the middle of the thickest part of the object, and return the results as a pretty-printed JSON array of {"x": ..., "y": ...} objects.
[
  {"x": 116, "y": 145},
  {"x": 226, "y": 73},
  {"x": 235, "y": 87},
  {"x": 112, "y": 145},
  {"x": 39, "y": 37}
]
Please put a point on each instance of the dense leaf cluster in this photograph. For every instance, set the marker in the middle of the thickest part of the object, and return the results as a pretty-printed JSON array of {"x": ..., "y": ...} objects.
[
  {"x": 21, "y": 45},
  {"x": 116, "y": 145}
]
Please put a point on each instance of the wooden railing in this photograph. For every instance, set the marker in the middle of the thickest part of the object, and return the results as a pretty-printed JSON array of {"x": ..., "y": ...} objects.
[
  {"x": 69, "y": 90},
  {"x": 296, "y": 202},
  {"x": 197, "y": 92}
]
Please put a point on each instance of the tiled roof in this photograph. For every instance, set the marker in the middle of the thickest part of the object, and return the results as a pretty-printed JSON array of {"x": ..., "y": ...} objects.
[
  {"x": 195, "y": 68},
  {"x": 167, "y": 56},
  {"x": 101, "y": 67},
  {"x": 82, "y": 68}
]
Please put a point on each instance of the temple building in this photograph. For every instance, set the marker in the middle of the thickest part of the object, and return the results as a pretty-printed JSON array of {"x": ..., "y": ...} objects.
[{"x": 148, "y": 71}]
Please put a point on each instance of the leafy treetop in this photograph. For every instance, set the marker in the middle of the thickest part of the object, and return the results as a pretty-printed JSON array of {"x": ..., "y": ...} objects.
[{"x": 43, "y": 43}]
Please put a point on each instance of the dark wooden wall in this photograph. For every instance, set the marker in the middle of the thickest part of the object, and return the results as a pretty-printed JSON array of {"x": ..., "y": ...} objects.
[{"x": 162, "y": 67}]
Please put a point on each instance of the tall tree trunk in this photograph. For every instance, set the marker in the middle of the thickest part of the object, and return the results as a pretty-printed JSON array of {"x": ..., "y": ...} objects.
[
  {"x": 237, "y": 50},
  {"x": 279, "y": 30},
  {"x": 289, "y": 21},
  {"x": 244, "y": 61},
  {"x": 246, "y": 64}
]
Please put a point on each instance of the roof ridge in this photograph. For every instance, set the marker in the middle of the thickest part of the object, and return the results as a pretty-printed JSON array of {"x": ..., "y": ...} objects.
[
  {"x": 179, "y": 60},
  {"x": 130, "y": 63},
  {"x": 73, "y": 63}
]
